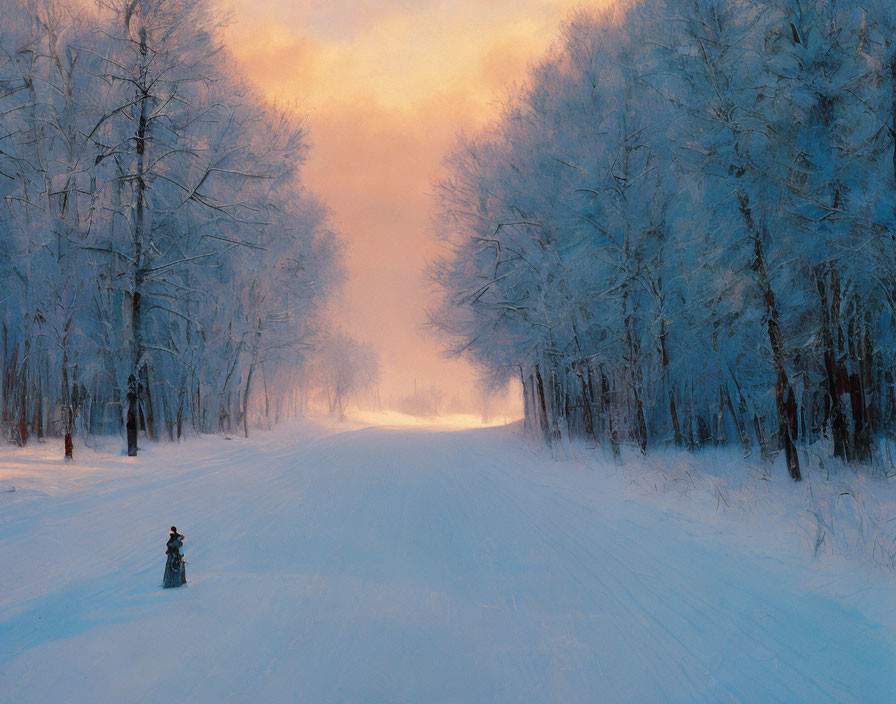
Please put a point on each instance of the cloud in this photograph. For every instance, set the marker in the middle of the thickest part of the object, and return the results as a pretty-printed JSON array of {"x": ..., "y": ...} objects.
[{"x": 397, "y": 52}]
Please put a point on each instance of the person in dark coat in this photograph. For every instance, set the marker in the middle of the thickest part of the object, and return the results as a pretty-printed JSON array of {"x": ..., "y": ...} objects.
[{"x": 175, "y": 567}]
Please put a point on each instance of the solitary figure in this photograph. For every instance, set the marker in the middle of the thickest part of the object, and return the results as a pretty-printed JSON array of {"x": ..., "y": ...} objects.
[{"x": 175, "y": 567}]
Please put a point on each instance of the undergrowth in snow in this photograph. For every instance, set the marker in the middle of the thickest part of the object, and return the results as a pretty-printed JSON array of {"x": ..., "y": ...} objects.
[{"x": 838, "y": 509}]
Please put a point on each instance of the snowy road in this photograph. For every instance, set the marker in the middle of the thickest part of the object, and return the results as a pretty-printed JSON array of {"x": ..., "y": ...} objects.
[{"x": 410, "y": 566}]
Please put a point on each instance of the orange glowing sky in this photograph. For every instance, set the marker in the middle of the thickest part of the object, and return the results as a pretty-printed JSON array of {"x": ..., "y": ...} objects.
[{"x": 386, "y": 84}]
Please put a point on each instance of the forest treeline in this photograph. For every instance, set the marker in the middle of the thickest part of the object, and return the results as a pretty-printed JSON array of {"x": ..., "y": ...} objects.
[
  {"x": 681, "y": 229},
  {"x": 160, "y": 259}
]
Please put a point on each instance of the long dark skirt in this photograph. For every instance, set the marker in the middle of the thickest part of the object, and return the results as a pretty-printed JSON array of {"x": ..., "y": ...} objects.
[{"x": 175, "y": 571}]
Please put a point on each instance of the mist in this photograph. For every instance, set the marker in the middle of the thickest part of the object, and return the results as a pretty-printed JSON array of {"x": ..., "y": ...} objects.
[{"x": 385, "y": 88}]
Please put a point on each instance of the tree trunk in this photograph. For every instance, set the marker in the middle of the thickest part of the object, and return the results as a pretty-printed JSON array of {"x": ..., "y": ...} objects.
[
  {"x": 198, "y": 412},
  {"x": 861, "y": 435},
  {"x": 784, "y": 396},
  {"x": 588, "y": 403},
  {"x": 147, "y": 408},
  {"x": 791, "y": 426},
  {"x": 69, "y": 446},
  {"x": 267, "y": 400},
  {"x": 246, "y": 401},
  {"x": 4, "y": 370},
  {"x": 131, "y": 423},
  {"x": 673, "y": 409},
  {"x": 168, "y": 418},
  {"x": 741, "y": 430},
  {"x": 527, "y": 407},
  {"x": 22, "y": 411},
  {"x": 893, "y": 113},
  {"x": 180, "y": 415},
  {"x": 829, "y": 322},
  {"x": 38, "y": 408},
  {"x": 542, "y": 405},
  {"x": 608, "y": 410},
  {"x": 592, "y": 396},
  {"x": 867, "y": 367},
  {"x": 139, "y": 236},
  {"x": 68, "y": 412},
  {"x": 634, "y": 383}
]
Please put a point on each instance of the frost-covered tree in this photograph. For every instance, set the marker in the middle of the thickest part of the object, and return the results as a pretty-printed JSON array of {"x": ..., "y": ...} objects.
[
  {"x": 158, "y": 248},
  {"x": 680, "y": 228},
  {"x": 343, "y": 367}
]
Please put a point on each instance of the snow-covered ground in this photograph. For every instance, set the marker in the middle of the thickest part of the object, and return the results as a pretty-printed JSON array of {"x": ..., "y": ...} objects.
[{"x": 427, "y": 565}]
